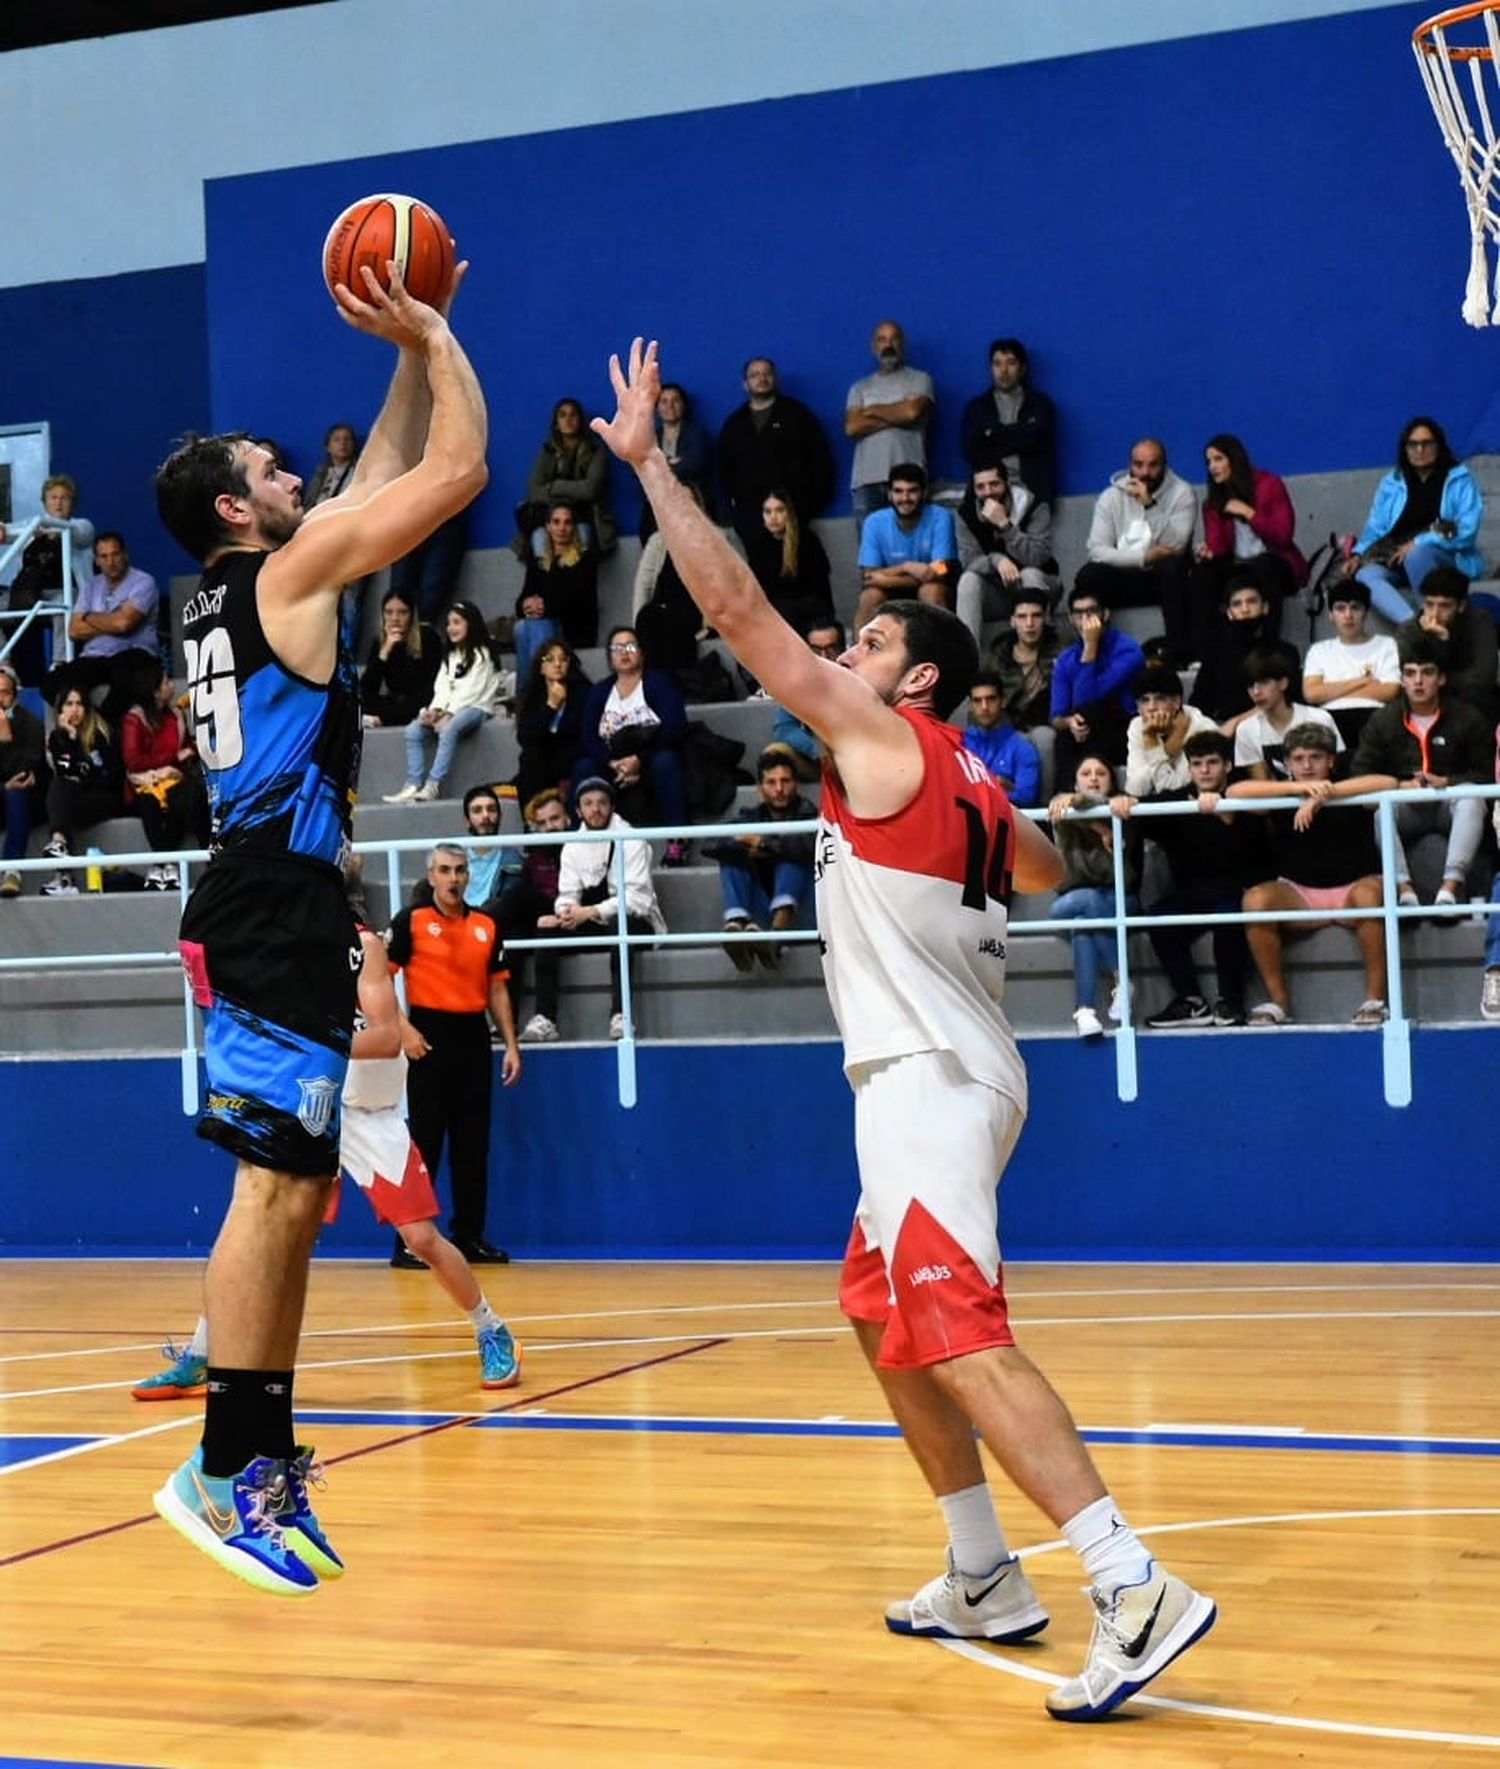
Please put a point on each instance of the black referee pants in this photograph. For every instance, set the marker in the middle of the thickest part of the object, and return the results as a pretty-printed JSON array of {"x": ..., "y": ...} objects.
[{"x": 448, "y": 1099}]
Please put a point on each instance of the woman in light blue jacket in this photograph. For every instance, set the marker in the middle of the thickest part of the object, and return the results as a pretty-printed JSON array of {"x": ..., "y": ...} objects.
[{"x": 1425, "y": 513}]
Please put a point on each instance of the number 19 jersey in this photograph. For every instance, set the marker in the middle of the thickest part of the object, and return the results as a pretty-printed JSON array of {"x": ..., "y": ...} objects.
[
  {"x": 912, "y": 910},
  {"x": 281, "y": 753}
]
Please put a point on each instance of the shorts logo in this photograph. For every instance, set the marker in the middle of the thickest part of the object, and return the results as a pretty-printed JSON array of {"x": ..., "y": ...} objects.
[
  {"x": 929, "y": 1274},
  {"x": 315, "y": 1113}
]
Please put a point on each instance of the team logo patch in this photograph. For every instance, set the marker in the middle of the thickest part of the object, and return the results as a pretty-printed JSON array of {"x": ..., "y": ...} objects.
[
  {"x": 435, "y": 928},
  {"x": 315, "y": 1113},
  {"x": 480, "y": 935}
]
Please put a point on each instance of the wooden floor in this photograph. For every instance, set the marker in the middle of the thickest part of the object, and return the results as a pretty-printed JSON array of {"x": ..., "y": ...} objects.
[{"x": 584, "y": 1584}]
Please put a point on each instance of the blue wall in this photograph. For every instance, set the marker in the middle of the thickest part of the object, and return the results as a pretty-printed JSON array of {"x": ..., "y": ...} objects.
[{"x": 1291, "y": 1155}]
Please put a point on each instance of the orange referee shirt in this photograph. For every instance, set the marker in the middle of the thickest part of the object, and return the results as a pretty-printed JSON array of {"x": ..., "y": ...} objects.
[{"x": 448, "y": 959}]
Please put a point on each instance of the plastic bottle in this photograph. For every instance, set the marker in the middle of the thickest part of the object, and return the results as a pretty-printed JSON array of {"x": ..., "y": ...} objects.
[{"x": 94, "y": 873}]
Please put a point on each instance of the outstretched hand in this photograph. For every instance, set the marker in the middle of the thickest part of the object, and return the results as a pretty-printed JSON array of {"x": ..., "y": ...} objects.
[
  {"x": 631, "y": 433},
  {"x": 395, "y": 314}
]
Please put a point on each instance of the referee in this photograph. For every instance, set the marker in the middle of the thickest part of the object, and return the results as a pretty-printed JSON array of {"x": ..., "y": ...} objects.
[{"x": 455, "y": 978}]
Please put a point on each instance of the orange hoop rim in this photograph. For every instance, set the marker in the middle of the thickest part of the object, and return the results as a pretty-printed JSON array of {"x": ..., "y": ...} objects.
[{"x": 1441, "y": 21}]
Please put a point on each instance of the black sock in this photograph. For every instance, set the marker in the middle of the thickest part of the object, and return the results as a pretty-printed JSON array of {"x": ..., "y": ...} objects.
[{"x": 249, "y": 1414}]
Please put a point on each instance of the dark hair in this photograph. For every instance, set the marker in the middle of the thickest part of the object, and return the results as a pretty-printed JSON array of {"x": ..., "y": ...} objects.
[
  {"x": 625, "y": 627},
  {"x": 1445, "y": 580},
  {"x": 200, "y": 470},
  {"x": 821, "y": 622},
  {"x": 933, "y": 635},
  {"x": 1080, "y": 592},
  {"x": 1209, "y": 743},
  {"x": 1446, "y": 460},
  {"x": 762, "y": 357},
  {"x": 1421, "y": 646},
  {"x": 1158, "y": 678},
  {"x": 1241, "y": 481},
  {"x": 907, "y": 473},
  {"x": 1267, "y": 663},
  {"x": 476, "y": 640},
  {"x": 1350, "y": 589},
  {"x": 481, "y": 791},
  {"x": 1032, "y": 598},
  {"x": 1012, "y": 347},
  {"x": 1310, "y": 735},
  {"x": 990, "y": 462},
  {"x": 779, "y": 756},
  {"x": 681, "y": 392},
  {"x": 328, "y": 437},
  {"x": 987, "y": 679},
  {"x": 1243, "y": 578},
  {"x": 109, "y": 534},
  {"x": 534, "y": 689}
]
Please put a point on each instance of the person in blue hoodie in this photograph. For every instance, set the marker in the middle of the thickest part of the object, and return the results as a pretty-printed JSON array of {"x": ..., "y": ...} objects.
[
  {"x": 989, "y": 734},
  {"x": 1092, "y": 705},
  {"x": 1426, "y": 512}
]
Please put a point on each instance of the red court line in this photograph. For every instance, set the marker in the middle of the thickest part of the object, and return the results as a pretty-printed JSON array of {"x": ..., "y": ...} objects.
[{"x": 390, "y": 1443}]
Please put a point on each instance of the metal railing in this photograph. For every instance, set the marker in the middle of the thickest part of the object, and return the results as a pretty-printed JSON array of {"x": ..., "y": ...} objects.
[
  {"x": 16, "y": 544},
  {"x": 1396, "y": 1032}
]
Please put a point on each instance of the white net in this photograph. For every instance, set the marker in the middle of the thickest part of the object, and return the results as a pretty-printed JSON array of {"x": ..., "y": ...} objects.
[{"x": 1458, "y": 54}]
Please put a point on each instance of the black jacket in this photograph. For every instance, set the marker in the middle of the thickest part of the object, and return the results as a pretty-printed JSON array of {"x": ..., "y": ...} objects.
[
  {"x": 1460, "y": 746},
  {"x": 789, "y": 450},
  {"x": 1032, "y": 438}
]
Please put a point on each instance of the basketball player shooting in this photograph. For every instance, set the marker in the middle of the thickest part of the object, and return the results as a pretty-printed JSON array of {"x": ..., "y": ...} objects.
[
  {"x": 917, "y": 852},
  {"x": 267, "y": 938}
]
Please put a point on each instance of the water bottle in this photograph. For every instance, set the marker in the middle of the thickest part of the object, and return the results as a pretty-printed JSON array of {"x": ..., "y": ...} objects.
[{"x": 94, "y": 873}]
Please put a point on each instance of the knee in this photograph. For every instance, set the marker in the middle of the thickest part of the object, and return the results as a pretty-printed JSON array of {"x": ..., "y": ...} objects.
[{"x": 420, "y": 1237}]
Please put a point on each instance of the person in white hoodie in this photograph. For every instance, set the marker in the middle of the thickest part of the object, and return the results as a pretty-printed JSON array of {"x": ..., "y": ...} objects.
[
  {"x": 469, "y": 683},
  {"x": 1139, "y": 543}
]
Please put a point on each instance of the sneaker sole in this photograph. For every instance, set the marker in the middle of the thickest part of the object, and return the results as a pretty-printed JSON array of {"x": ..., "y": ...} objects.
[
  {"x": 311, "y": 1555},
  {"x": 172, "y": 1510},
  {"x": 167, "y": 1392},
  {"x": 1035, "y": 1621},
  {"x": 1192, "y": 1625}
]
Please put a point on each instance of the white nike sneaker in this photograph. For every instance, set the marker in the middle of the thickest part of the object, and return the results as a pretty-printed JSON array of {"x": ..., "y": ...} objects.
[
  {"x": 998, "y": 1605},
  {"x": 1138, "y": 1631}
]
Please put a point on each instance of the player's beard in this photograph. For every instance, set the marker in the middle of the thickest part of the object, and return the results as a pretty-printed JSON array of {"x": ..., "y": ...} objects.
[{"x": 278, "y": 527}]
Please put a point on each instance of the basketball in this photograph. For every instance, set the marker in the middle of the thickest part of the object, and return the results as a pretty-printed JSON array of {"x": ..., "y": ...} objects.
[{"x": 382, "y": 228}]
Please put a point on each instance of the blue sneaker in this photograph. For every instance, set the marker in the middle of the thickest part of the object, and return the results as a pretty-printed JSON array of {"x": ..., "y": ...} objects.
[
  {"x": 231, "y": 1518},
  {"x": 185, "y": 1376},
  {"x": 499, "y": 1358},
  {"x": 296, "y": 1516}
]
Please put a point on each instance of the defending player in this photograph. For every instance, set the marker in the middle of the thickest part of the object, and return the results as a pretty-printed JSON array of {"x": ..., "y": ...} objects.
[
  {"x": 267, "y": 937},
  {"x": 916, "y": 855}
]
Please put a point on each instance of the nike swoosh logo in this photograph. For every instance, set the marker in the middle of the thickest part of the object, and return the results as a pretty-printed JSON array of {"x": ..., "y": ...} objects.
[
  {"x": 221, "y": 1522},
  {"x": 994, "y": 1585},
  {"x": 1134, "y": 1648}
]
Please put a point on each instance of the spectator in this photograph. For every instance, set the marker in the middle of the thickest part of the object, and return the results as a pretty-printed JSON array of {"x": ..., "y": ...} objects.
[
  {"x": 1260, "y": 740},
  {"x": 87, "y": 782},
  {"x": 634, "y": 727},
  {"x": 1321, "y": 857},
  {"x": 1356, "y": 672},
  {"x": 910, "y": 548},
  {"x": 804, "y": 748},
  {"x": 1248, "y": 524},
  {"x": 686, "y": 444},
  {"x": 789, "y": 563},
  {"x": 454, "y": 964},
  {"x": 113, "y": 629},
  {"x": 666, "y": 616},
  {"x": 772, "y": 440},
  {"x": 428, "y": 575},
  {"x": 560, "y": 593},
  {"x": 1243, "y": 626},
  {"x": 1467, "y": 633},
  {"x": 492, "y": 870},
  {"x": 23, "y": 777},
  {"x": 1092, "y": 705},
  {"x": 464, "y": 695},
  {"x": 1011, "y": 420},
  {"x": 40, "y": 578},
  {"x": 1156, "y": 738},
  {"x": 886, "y": 413},
  {"x": 1138, "y": 544},
  {"x": 333, "y": 473},
  {"x": 1214, "y": 858},
  {"x": 572, "y": 468},
  {"x": 1024, "y": 657},
  {"x": 1430, "y": 738},
  {"x": 165, "y": 778},
  {"x": 402, "y": 667},
  {"x": 1489, "y": 993},
  {"x": 534, "y": 894},
  {"x": 989, "y": 734},
  {"x": 549, "y": 719},
  {"x": 1088, "y": 891},
  {"x": 587, "y": 904},
  {"x": 1426, "y": 512},
  {"x": 1004, "y": 546},
  {"x": 766, "y": 879}
]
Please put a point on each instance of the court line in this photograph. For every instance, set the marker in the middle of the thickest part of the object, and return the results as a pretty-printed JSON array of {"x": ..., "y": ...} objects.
[
  {"x": 85, "y": 1446},
  {"x": 1252, "y": 1716}
]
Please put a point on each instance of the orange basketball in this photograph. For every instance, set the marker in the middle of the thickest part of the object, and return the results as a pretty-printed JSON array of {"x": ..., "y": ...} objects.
[{"x": 378, "y": 229}]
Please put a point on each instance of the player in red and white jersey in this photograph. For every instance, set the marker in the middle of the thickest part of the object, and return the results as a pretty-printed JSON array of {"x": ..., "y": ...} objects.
[{"x": 916, "y": 856}]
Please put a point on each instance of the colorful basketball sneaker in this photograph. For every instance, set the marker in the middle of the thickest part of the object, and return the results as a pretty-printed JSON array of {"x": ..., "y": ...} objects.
[
  {"x": 298, "y": 1519},
  {"x": 998, "y": 1605},
  {"x": 1138, "y": 1631},
  {"x": 185, "y": 1376},
  {"x": 499, "y": 1358},
  {"x": 231, "y": 1518}
]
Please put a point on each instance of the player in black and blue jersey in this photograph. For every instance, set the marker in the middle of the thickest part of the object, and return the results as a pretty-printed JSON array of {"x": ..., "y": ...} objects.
[{"x": 267, "y": 938}]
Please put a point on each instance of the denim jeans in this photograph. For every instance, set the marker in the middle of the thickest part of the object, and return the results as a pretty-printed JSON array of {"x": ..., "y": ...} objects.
[
  {"x": 22, "y": 808},
  {"x": 1387, "y": 583},
  {"x": 530, "y": 636},
  {"x": 746, "y": 897},
  {"x": 467, "y": 719},
  {"x": 1492, "y": 927},
  {"x": 1093, "y": 952},
  {"x": 866, "y": 500}
]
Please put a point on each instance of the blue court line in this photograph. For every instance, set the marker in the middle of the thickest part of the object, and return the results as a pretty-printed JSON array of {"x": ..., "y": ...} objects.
[
  {"x": 23, "y": 1446},
  {"x": 64, "y": 1763},
  {"x": 1177, "y": 1437}
]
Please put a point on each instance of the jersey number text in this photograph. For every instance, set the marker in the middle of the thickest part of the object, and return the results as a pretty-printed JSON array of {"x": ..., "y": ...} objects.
[{"x": 216, "y": 700}]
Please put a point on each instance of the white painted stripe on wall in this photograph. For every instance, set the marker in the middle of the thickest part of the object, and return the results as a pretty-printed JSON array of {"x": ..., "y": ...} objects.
[{"x": 105, "y": 145}]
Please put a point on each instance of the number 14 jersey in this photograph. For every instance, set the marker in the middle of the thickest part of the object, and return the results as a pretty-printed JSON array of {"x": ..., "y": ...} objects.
[
  {"x": 912, "y": 910},
  {"x": 281, "y": 753}
]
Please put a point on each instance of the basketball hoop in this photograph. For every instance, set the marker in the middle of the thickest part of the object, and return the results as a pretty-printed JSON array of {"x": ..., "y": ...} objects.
[{"x": 1454, "y": 75}]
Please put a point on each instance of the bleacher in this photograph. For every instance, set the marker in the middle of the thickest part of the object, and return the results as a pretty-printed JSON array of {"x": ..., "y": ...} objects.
[{"x": 694, "y": 993}]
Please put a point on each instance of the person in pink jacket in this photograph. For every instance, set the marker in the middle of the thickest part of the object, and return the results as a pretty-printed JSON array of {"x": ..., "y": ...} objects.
[{"x": 1248, "y": 524}]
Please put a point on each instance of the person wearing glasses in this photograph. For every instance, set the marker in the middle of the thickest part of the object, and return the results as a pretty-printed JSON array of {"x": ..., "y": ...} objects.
[
  {"x": 1426, "y": 512},
  {"x": 634, "y": 727}
]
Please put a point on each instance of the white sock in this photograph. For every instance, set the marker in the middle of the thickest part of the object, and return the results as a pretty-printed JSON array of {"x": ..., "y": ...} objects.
[
  {"x": 198, "y": 1344},
  {"x": 974, "y": 1531},
  {"x": 1111, "y": 1552},
  {"x": 481, "y": 1315}
]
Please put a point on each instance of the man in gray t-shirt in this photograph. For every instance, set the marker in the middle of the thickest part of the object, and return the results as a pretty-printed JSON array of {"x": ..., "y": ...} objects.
[{"x": 886, "y": 413}]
